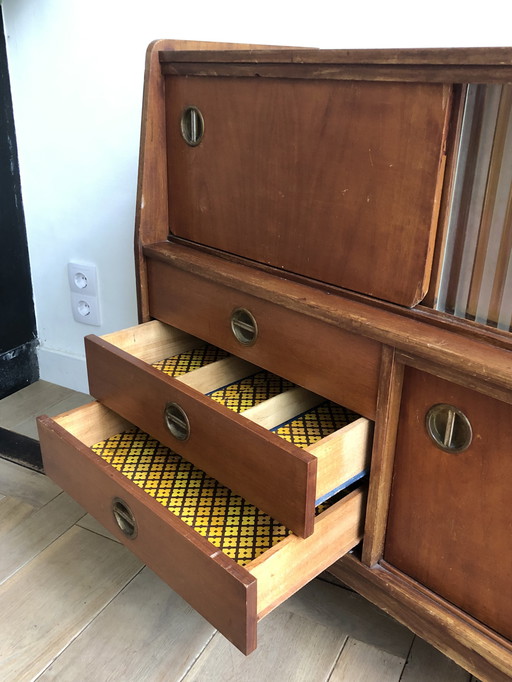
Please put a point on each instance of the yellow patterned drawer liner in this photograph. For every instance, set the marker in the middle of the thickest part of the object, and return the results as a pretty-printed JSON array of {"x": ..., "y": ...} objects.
[
  {"x": 315, "y": 424},
  {"x": 229, "y": 522},
  {"x": 302, "y": 431},
  {"x": 250, "y": 391},
  {"x": 183, "y": 363}
]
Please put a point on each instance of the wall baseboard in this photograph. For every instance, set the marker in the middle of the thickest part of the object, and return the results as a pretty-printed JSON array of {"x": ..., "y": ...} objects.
[{"x": 63, "y": 369}]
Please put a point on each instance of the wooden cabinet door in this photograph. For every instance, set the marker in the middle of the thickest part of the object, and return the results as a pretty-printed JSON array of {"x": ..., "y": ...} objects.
[
  {"x": 450, "y": 520},
  {"x": 335, "y": 180}
]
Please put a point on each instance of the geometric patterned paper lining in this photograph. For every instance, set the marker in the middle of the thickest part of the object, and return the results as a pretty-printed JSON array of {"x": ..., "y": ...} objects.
[
  {"x": 315, "y": 424},
  {"x": 229, "y": 522},
  {"x": 239, "y": 396},
  {"x": 250, "y": 391},
  {"x": 186, "y": 362}
]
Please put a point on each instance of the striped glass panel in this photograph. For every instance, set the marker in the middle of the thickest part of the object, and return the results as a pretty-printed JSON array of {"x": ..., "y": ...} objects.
[{"x": 476, "y": 275}]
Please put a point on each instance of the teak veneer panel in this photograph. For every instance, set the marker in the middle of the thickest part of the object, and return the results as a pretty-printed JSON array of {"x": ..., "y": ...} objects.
[
  {"x": 485, "y": 361},
  {"x": 151, "y": 219},
  {"x": 313, "y": 177},
  {"x": 449, "y": 523},
  {"x": 426, "y": 65},
  {"x": 327, "y": 360},
  {"x": 125, "y": 373}
]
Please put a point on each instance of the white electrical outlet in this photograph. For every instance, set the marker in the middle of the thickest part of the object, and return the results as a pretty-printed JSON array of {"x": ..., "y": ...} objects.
[
  {"x": 83, "y": 283},
  {"x": 83, "y": 279}
]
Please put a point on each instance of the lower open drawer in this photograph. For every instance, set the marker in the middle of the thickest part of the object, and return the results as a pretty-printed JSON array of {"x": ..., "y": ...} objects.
[{"x": 231, "y": 562}]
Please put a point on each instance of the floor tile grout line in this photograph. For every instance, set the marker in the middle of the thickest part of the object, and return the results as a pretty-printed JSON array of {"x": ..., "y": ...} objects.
[
  {"x": 97, "y": 532},
  {"x": 342, "y": 649},
  {"x": 407, "y": 658},
  {"x": 196, "y": 659},
  {"x": 61, "y": 492}
]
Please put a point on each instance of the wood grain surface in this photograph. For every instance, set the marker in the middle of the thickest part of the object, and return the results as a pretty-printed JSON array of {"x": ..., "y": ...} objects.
[
  {"x": 313, "y": 177},
  {"x": 151, "y": 219},
  {"x": 448, "y": 525},
  {"x": 320, "y": 357},
  {"x": 484, "y": 359}
]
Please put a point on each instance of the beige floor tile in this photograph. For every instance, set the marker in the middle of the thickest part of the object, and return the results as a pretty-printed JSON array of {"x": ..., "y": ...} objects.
[
  {"x": 12, "y": 512},
  {"x": 352, "y": 615},
  {"x": 29, "y": 402},
  {"x": 46, "y": 604},
  {"x": 28, "y": 427},
  {"x": 290, "y": 649},
  {"x": 26, "y": 485},
  {"x": 360, "y": 662},
  {"x": 146, "y": 633},
  {"x": 36, "y": 532}
]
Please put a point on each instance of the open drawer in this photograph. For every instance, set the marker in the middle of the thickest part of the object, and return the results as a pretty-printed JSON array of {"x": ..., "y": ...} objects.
[
  {"x": 230, "y": 568},
  {"x": 151, "y": 376}
]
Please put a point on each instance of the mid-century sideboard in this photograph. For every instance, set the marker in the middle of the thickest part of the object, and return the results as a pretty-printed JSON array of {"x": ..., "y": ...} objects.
[{"x": 322, "y": 374}]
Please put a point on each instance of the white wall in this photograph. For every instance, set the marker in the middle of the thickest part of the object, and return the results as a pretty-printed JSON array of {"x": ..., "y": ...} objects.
[{"x": 76, "y": 76}]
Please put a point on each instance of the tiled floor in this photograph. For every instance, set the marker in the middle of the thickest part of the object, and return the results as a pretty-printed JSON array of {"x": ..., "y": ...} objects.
[{"x": 76, "y": 606}]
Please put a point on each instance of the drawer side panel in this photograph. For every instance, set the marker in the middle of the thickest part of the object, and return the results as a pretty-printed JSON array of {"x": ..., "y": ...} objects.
[{"x": 295, "y": 561}]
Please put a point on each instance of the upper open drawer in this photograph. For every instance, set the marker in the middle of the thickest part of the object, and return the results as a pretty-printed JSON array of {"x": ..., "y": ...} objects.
[
  {"x": 334, "y": 180},
  {"x": 282, "y": 447}
]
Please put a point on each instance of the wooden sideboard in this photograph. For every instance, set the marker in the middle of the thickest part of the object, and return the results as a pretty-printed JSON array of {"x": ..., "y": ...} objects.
[{"x": 293, "y": 212}]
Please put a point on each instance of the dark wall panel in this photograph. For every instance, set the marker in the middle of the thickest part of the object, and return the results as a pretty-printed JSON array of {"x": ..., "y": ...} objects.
[{"x": 18, "y": 363}]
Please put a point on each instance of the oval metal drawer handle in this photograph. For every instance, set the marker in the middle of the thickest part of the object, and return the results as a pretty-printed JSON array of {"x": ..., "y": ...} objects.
[
  {"x": 192, "y": 126},
  {"x": 177, "y": 421},
  {"x": 124, "y": 518},
  {"x": 244, "y": 326},
  {"x": 449, "y": 428}
]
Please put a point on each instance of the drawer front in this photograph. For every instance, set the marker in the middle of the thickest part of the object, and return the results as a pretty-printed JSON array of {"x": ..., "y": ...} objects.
[
  {"x": 228, "y": 594},
  {"x": 236, "y": 449},
  {"x": 315, "y": 177},
  {"x": 330, "y": 361}
]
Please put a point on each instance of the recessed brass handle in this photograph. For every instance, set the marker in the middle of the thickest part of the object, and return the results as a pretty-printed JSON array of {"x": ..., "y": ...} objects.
[
  {"x": 124, "y": 518},
  {"x": 192, "y": 126},
  {"x": 244, "y": 326},
  {"x": 177, "y": 421},
  {"x": 449, "y": 428}
]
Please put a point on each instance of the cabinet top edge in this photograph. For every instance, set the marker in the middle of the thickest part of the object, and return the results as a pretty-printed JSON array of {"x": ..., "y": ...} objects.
[{"x": 463, "y": 56}]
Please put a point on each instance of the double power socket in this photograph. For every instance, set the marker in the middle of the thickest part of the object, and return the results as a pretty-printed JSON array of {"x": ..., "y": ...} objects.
[{"x": 85, "y": 302}]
